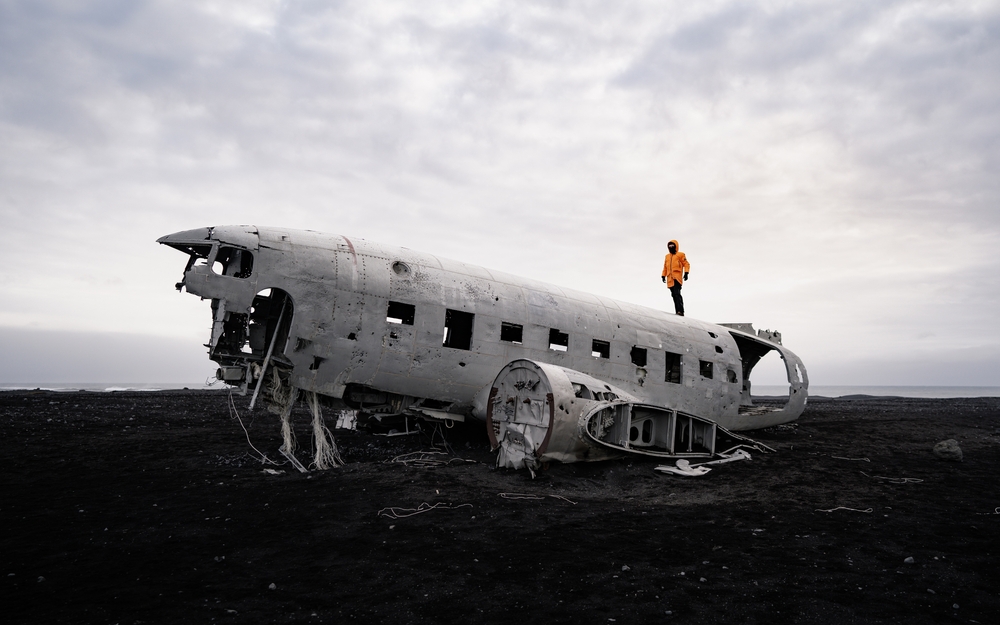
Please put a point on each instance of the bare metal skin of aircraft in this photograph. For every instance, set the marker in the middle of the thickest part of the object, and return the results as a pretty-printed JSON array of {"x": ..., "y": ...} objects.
[{"x": 556, "y": 374}]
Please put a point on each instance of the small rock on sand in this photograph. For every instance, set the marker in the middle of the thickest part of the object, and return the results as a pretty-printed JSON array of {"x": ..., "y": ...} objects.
[{"x": 948, "y": 450}]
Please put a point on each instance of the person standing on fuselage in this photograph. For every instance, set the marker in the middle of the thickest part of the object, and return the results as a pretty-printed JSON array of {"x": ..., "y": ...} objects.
[{"x": 675, "y": 272}]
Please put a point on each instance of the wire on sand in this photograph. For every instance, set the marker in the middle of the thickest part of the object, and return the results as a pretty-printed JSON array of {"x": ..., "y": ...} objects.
[
  {"x": 854, "y": 459},
  {"x": 868, "y": 511},
  {"x": 427, "y": 459},
  {"x": 516, "y": 496},
  {"x": 233, "y": 412},
  {"x": 402, "y": 513},
  {"x": 894, "y": 480}
]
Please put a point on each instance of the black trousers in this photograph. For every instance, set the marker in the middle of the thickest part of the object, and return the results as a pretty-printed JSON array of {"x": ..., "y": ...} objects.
[{"x": 675, "y": 292}]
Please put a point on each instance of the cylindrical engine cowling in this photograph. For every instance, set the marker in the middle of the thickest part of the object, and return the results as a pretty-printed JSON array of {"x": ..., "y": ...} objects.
[{"x": 534, "y": 414}]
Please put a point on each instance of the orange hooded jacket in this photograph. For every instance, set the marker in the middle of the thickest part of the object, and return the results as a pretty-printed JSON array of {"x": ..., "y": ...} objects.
[{"x": 675, "y": 265}]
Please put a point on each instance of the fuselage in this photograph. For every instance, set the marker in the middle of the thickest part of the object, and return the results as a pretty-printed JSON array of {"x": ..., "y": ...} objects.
[{"x": 362, "y": 315}]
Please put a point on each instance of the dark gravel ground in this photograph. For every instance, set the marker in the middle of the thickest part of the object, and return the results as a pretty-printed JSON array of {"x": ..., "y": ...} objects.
[{"x": 149, "y": 508}]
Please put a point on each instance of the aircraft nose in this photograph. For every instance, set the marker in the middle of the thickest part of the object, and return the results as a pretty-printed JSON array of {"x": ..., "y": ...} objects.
[{"x": 186, "y": 237}]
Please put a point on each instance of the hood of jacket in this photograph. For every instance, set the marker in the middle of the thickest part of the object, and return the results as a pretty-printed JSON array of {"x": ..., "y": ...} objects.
[{"x": 677, "y": 246}]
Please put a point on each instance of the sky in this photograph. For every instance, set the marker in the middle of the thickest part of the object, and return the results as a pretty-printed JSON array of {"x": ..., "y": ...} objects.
[{"x": 829, "y": 168}]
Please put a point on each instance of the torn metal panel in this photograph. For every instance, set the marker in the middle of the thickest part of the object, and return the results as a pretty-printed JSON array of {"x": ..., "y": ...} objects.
[
  {"x": 753, "y": 346},
  {"x": 391, "y": 331},
  {"x": 684, "y": 466}
]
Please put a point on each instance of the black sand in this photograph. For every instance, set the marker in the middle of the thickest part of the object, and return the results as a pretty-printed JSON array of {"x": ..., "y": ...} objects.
[{"x": 147, "y": 508}]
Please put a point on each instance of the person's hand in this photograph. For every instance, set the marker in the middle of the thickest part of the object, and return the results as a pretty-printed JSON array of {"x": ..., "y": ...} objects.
[
  {"x": 685, "y": 275},
  {"x": 664, "y": 278}
]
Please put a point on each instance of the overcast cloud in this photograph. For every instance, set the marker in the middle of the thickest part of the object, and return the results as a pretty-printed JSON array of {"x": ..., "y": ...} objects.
[{"x": 830, "y": 168}]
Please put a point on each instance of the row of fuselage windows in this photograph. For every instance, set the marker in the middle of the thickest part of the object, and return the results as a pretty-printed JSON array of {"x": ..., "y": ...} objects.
[{"x": 458, "y": 335}]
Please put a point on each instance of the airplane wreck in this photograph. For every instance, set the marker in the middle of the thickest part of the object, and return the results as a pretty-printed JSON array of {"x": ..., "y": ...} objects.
[{"x": 555, "y": 374}]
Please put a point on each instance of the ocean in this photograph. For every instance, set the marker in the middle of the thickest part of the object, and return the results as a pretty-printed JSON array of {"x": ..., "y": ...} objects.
[
  {"x": 938, "y": 392},
  {"x": 107, "y": 387},
  {"x": 761, "y": 390}
]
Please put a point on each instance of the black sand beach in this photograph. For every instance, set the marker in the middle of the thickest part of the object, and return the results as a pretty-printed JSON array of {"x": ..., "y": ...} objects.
[{"x": 149, "y": 508}]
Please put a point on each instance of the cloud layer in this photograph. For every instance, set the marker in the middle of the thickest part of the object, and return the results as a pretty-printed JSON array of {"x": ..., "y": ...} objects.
[{"x": 830, "y": 169}]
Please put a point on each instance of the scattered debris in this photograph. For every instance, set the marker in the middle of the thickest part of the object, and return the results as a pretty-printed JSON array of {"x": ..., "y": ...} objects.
[
  {"x": 852, "y": 459},
  {"x": 235, "y": 413},
  {"x": 326, "y": 455},
  {"x": 908, "y": 560},
  {"x": 948, "y": 450},
  {"x": 784, "y": 427},
  {"x": 402, "y": 513},
  {"x": 894, "y": 480},
  {"x": 530, "y": 496},
  {"x": 428, "y": 459},
  {"x": 284, "y": 408},
  {"x": 684, "y": 467},
  {"x": 295, "y": 462},
  {"x": 737, "y": 454}
]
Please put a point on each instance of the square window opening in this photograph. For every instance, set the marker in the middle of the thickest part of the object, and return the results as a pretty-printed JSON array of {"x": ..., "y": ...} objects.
[
  {"x": 706, "y": 369},
  {"x": 600, "y": 349},
  {"x": 558, "y": 341},
  {"x": 673, "y": 373},
  {"x": 233, "y": 262},
  {"x": 401, "y": 313},
  {"x": 458, "y": 329},
  {"x": 638, "y": 356},
  {"x": 511, "y": 332}
]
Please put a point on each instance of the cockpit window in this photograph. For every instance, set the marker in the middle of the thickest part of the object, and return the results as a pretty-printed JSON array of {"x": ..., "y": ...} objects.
[
  {"x": 201, "y": 251},
  {"x": 199, "y": 254},
  {"x": 233, "y": 262}
]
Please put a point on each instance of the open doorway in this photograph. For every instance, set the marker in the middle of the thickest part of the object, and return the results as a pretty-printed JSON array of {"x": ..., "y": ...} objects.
[
  {"x": 270, "y": 320},
  {"x": 764, "y": 373},
  {"x": 770, "y": 376},
  {"x": 247, "y": 336}
]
